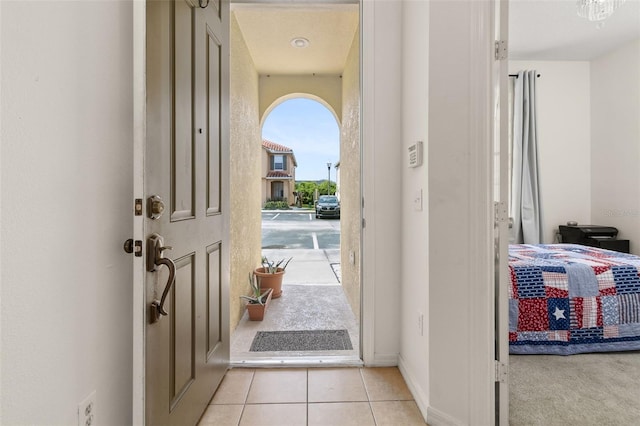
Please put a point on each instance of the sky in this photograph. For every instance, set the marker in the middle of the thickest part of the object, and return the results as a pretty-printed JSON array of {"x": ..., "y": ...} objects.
[{"x": 311, "y": 131}]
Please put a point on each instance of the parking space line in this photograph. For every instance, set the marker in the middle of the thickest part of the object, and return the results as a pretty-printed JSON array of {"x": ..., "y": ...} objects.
[
  {"x": 315, "y": 241},
  {"x": 277, "y": 214}
]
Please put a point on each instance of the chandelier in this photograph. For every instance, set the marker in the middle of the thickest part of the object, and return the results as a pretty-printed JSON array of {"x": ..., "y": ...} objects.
[{"x": 597, "y": 10}]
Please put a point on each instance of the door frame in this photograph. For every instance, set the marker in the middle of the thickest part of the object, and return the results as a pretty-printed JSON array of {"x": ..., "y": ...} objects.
[
  {"x": 501, "y": 134},
  {"x": 139, "y": 135},
  {"x": 366, "y": 325}
]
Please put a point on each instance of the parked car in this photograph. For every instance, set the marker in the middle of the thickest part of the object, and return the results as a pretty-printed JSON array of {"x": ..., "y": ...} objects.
[{"x": 328, "y": 206}]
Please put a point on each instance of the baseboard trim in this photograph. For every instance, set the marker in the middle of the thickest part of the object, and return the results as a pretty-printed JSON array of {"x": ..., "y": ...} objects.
[
  {"x": 432, "y": 416},
  {"x": 383, "y": 360},
  {"x": 438, "y": 418},
  {"x": 419, "y": 395}
]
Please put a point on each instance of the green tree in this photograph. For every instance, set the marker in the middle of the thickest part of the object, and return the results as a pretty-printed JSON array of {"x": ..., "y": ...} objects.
[
  {"x": 322, "y": 188},
  {"x": 305, "y": 191}
]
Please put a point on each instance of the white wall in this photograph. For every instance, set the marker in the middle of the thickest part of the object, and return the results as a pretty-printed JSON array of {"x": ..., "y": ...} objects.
[
  {"x": 564, "y": 138},
  {"x": 415, "y": 242},
  {"x": 615, "y": 141},
  {"x": 461, "y": 279},
  {"x": 66, "y": 210}
]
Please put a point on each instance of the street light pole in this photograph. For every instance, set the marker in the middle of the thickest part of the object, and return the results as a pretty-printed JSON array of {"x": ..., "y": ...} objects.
[{"x": 328, "y": 178}]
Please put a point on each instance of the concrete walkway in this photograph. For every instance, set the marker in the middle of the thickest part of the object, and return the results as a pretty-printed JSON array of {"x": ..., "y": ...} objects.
[
  {"x": 316, "y": 267},
  {"x": 312, "y": 299}
]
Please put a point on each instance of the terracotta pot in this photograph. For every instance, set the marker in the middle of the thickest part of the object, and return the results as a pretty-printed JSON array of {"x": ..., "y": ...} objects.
[
  {"x": 268, "y": 280},
  {"x": 256, "y": 311}
]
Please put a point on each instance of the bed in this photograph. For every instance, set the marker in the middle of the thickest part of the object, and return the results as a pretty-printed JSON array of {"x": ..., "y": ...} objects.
[{"x": 566, "y": 299}]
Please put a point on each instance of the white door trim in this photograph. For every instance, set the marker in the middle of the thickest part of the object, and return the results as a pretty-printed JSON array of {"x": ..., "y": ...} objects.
[
  {"x": 367, "y": 245},
  {"x": 139, "y": 134},
  {"x": 381, "y": 126},
  {"x": 500, "y": 100},
  {"x": 482, "y": 401},
  {"x": 482, "y": 114}
]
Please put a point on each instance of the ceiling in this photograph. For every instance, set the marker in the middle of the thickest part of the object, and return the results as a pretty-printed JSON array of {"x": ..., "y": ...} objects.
[
  {"x": 269, "y": 28},
  {"x": 552, "y": 30},
  {"x": 538, "y": 30}
]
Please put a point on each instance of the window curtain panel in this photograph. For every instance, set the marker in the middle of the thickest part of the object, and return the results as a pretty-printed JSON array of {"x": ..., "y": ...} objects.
[{"x": 525, "y": 186}]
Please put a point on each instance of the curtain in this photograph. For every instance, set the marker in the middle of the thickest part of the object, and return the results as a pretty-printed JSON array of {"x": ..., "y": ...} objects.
[{"x": 525, "y": 187}]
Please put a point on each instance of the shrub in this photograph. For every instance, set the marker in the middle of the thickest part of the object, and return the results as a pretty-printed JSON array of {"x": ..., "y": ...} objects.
[{"x": 276, "y": 205}]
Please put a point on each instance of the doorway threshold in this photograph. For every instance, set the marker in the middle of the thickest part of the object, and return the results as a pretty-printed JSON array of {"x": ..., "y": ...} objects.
[{"x": 297, "y": 361}]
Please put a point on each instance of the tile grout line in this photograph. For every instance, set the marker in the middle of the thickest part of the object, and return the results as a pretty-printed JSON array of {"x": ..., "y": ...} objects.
[
  {"x": 246, "y": 397},
  {"x": 366, "y": 389}
]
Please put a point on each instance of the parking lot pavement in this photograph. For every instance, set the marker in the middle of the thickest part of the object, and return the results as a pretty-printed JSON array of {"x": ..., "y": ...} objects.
[
  {"x": 299, "y": 230},
  {"x": 313, "y": 243},
  {"x": 296, "y": 215}
]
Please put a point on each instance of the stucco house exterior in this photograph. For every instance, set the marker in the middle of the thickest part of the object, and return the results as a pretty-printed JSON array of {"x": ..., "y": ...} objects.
[{"x": 278, "y": 172}]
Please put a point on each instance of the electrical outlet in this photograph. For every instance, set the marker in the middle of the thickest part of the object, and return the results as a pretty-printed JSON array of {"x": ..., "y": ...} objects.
[
  {"x": 420, "y": 323},
  {"x": 87, "y": 411}
]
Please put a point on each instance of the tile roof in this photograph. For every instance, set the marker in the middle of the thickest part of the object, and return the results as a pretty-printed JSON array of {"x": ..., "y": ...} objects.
[
  {"x": 278, "y": 174},
  {"x": 276, "y": 147},
  {"x": 273, "y": 147}
]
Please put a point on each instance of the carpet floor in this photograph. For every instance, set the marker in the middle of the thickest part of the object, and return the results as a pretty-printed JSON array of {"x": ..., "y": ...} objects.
[{"x": 585, "y": 389}]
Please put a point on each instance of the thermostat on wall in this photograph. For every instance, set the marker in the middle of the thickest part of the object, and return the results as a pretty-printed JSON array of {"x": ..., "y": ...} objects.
[{"x": 415, "y": 154}]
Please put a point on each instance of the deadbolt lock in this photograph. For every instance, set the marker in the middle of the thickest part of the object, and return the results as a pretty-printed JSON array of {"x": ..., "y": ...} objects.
[{"x": 155, "y": 207}]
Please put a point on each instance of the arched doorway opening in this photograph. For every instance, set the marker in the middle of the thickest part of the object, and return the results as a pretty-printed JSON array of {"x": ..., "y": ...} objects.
[{"x": 301, "y": 149}]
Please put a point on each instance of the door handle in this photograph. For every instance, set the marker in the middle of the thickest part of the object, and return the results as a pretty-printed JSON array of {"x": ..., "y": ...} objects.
[{"x": 155, "y": 258}]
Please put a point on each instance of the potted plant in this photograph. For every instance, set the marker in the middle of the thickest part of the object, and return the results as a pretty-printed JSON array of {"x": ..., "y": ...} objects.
[
  {"x": 270, "y": 274},
  {"x": 258, "y": 301}
]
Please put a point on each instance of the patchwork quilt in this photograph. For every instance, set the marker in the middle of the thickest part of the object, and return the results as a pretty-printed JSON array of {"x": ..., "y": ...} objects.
[{"x": 566, "y": 299}]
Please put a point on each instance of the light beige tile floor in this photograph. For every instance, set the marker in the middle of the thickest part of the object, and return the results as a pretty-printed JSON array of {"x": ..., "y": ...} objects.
[{"x": 313, "y": 397}]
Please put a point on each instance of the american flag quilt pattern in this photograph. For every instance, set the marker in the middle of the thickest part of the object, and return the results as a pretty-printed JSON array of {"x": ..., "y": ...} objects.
[{"x": 566, "y": 299}]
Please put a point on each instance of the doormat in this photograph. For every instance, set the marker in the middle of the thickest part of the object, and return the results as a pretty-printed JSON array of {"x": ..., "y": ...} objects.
[{"x": 302, "y": 340}]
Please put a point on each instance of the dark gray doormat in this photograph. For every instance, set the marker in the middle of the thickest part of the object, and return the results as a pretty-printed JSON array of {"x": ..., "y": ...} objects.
[{"x": 312, "y": 340}]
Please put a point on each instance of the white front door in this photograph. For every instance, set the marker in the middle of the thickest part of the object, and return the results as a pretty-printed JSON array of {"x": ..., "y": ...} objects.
[{"x": 185, "y": 209}]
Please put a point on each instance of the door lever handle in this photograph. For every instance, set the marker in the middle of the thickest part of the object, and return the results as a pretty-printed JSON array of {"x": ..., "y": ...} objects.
[
  {"x": 155, "y": 258},
  {"x": 158, "y": 306}
]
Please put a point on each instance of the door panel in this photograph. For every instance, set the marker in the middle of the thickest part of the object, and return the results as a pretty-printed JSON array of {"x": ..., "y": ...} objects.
[
  {"x": 216, "y": 4},
  {"x": 214, "y": 75},
  {"x": 182, "y": 155},
  {"x": 182, "y": 320},
  {"x": 214, "y": 295},
  {"x": 186, "y": 157}
]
